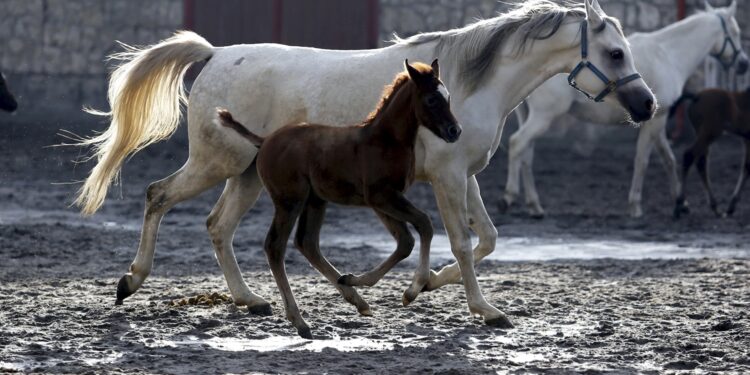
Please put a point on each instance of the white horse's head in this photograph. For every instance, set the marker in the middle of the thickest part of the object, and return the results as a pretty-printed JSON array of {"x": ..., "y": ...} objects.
[
  {"x": 728, "y": 46},
  {"x": 607, "y": 71}
]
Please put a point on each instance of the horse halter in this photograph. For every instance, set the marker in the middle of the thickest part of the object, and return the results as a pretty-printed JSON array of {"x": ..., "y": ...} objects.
[
  {"x": 612, "y": 85},
  {"x": 736, "y": 52}
]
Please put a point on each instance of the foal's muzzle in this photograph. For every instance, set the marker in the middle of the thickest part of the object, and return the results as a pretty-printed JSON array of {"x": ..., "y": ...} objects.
[{"x": 451, "y": 133}]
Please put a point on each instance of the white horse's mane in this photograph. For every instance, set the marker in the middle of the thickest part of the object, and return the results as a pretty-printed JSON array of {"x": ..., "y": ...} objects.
[{"x": 474, "y": 48}]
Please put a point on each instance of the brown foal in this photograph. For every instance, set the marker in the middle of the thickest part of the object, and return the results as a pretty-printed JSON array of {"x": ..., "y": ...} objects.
[
  {"x": 303, "y": 167},
  {"x": 712, "y": 113}
]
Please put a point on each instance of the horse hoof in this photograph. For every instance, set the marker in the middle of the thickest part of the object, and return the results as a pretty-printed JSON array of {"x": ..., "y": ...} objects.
[
  {"x": 263, "y": 309},
  {"x": 408, "y": 298},
  {"x": 537, "y": 215},
  {"x": 365, "y": 312},
  {"x": 123, "y": 290},
  {"x": 347, "y": 280},
  {"x": 500, "y": 322},
  {"x": 503, "y": 206},
  {"x": 304, "y": 332}
]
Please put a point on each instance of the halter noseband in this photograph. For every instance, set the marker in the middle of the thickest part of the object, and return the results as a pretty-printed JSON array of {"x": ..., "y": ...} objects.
[
  {"x": 612, "y": 85},
  {"x": 727, "y": 42}
]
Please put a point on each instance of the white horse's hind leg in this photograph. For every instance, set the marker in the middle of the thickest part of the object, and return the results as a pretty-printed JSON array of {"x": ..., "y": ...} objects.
[
  {"x": 192, "y": 179},
  {"x": 647, "y": 137},
  {"x": 239, "y": 195}
]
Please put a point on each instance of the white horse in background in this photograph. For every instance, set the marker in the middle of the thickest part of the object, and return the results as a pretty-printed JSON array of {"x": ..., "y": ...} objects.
[
  {"x": 666, "y": 58},
  {"x": 490, "y": 67}
]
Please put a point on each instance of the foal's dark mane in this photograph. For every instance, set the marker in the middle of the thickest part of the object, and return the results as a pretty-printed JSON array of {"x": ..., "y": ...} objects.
[{"x": 390, "y": 91}]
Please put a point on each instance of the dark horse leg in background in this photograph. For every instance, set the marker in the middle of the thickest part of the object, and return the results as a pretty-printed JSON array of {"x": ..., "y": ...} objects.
[
  {"x": 698, "y": 154},
  {"x": 741, "y": 182},
  {"x": 7, "y": 101}
]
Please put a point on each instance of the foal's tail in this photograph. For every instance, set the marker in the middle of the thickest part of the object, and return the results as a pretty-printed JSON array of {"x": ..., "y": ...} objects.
[
  {"x": 676, "y": 105},
  {"x": 145, "y": 96},
  {"x": 225, "y": 119}
]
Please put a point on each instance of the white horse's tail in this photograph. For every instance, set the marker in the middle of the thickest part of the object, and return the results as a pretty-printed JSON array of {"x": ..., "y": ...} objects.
[{"x": 145, "y": 95}]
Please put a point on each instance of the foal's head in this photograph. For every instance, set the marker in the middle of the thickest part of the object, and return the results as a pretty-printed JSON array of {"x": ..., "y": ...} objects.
[{"x": 431, "y": 103}]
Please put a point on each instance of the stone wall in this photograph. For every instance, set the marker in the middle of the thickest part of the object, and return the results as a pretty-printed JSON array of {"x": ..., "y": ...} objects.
[
  {"x": 408, "y": 17},
  {"x": 54, "y": 50}
]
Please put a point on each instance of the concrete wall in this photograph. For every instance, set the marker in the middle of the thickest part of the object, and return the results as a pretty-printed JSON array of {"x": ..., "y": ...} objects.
[{"x": 54, "y": 50}]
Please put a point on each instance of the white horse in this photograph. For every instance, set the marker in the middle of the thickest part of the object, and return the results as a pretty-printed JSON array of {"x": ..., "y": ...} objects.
[
  {"x": 666, "y": 58},
  {"x": 491, "y": 66}
]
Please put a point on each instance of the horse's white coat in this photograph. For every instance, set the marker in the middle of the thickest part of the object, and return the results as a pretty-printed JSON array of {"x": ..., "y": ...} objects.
[
  {"x": 665, "y": 58},
  {"x": 267, "y": 86}
]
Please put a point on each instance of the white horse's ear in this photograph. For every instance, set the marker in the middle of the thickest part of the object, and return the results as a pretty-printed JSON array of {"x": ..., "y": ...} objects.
[
  {"x": 708, "y": 6},
  {"x": 597, "y": 7},
  {"x": 733, "y": 8},
  {"x": 592, "y": 15}
]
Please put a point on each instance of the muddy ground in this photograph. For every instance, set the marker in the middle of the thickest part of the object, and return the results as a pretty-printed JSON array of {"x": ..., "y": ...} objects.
[{"x": 58, "y": 273}]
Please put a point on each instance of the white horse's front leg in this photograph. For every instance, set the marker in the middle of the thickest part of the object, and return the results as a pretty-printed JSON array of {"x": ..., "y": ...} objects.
[
  {"x": 647, "y": 137},
  {"x": 451, "y": 193},
  {"x": 481, "y": 224}
]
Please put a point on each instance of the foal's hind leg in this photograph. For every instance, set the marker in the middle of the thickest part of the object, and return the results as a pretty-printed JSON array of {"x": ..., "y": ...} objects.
[
  {"x": 307, "y": 240},
  {"x": 741, "y": 182},
  {"x": 405, "y": 244},
  {"x": 191, "y": 180},
  {"x": 275, "y": 247},
  {"x": 240, "y": 193}
]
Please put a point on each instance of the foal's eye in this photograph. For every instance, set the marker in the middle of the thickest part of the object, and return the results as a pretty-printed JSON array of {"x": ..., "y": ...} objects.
[
  {"x": 617, "y": 55},
  {"x": 432, "y": 101}
]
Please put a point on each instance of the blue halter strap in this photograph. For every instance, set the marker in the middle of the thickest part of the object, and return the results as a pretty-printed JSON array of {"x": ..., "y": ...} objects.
[
  {"x": 611, "y": 85},
  {"x": 727, "y": 42}
]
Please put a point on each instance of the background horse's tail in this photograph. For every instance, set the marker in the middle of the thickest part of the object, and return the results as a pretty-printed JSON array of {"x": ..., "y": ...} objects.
[
  {"x": 676, "y": 105},
  {"x": 224, "y": 118},
  {"x": 145, "y": 96}
]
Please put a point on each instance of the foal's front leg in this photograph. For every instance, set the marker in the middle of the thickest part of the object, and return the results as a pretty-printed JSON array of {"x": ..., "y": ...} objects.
[
  {"x": 391, "y": 203},
  {"x": 405, "y": 244}
]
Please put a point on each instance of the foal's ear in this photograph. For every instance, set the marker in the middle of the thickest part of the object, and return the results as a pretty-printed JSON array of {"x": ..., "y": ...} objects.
[
  {"x": 435, "y": 68},
  {"x": 414, "y": 74},
  {"x": 708, "y": 6},
  {"x": 733, "y": 8}
]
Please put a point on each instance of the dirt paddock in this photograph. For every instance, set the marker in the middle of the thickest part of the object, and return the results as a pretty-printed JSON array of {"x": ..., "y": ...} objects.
[{"x": 682, "y": 311}]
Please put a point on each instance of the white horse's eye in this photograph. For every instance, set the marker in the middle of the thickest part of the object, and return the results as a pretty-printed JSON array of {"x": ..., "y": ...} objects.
[{"x": 617, "y": 55}]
